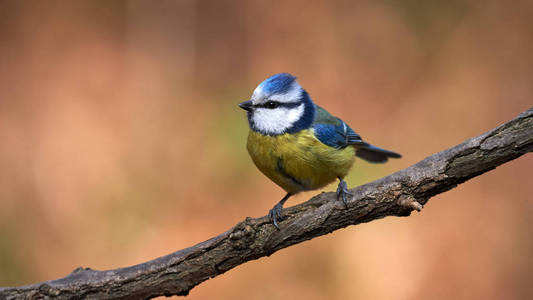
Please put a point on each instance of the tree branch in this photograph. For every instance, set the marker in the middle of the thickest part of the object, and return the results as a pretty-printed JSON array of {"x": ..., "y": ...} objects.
[{"x": 395, "y": 195}]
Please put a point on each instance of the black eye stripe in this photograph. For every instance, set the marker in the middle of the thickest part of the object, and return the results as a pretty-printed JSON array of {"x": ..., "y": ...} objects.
[
  {"x": 278, "y": 104},
  {"x": 271, "y": 104}
]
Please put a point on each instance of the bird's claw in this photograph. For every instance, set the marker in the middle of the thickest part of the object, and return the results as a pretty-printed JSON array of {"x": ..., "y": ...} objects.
[
  {"x": 275, "y": 214},
  {"x": 343, "y": 192}
]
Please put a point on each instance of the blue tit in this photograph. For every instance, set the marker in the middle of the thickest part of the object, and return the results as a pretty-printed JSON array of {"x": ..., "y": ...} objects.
[{"x": 298, "y": 144}]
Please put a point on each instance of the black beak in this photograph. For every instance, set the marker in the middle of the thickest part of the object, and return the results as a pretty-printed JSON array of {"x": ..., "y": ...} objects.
[{"x": 246, "y": 105}]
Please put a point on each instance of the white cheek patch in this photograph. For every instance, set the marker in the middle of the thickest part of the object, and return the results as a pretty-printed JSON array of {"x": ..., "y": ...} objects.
[{"x": 278, "y": 120}]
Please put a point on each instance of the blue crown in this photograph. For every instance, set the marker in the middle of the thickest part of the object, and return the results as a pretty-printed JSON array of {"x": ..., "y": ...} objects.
[{"x": 277, "y": 84}]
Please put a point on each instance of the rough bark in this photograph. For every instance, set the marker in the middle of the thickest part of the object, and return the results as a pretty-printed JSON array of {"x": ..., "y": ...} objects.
[{"x": 395, "y": 195}]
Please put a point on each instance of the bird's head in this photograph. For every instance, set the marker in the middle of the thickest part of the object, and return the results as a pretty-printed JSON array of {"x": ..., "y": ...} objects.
[{"x": 279, "y": 105}]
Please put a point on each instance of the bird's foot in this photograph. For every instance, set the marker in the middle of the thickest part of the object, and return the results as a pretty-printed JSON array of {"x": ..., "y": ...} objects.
[
  {"x": 275, "y": 214},
  {"x": 343, "y": 192}
]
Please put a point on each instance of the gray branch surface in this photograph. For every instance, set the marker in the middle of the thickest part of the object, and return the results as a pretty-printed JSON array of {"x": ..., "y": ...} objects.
[{"x": 395, "y": 195}]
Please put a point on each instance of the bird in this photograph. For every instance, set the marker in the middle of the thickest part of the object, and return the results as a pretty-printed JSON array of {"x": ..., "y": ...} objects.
[{"x": 299, "y": 145}]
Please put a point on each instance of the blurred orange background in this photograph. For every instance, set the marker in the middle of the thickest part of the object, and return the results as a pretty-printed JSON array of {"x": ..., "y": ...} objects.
[{"x": 121, "y": 139}]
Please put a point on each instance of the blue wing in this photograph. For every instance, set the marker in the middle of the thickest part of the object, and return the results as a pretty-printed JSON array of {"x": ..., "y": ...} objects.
[
  {"x": 337, "y": 135},
  {"x": 333, "y": 132}
]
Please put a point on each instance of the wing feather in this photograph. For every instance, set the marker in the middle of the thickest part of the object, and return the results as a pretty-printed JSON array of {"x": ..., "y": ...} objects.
[{"x": 334, "y": 132}]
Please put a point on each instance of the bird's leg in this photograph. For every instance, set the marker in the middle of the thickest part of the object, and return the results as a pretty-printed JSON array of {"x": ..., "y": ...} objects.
[
  {"x": 342, "y": 191},
  {"x": 275, "y": 212}
]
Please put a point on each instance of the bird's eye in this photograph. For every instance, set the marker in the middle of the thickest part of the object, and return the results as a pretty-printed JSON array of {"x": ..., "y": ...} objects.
[{"x": 271, "y": 104}]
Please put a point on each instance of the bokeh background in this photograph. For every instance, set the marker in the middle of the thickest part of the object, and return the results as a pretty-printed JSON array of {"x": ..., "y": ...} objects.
[{"x": 121, "y": 139}]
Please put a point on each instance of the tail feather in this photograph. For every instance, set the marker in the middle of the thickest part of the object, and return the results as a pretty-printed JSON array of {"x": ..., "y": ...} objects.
[{"x": 375, "y": 154}]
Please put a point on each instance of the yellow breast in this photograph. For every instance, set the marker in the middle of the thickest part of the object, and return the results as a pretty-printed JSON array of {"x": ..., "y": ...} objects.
[{"x": 299, "y": 161}]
